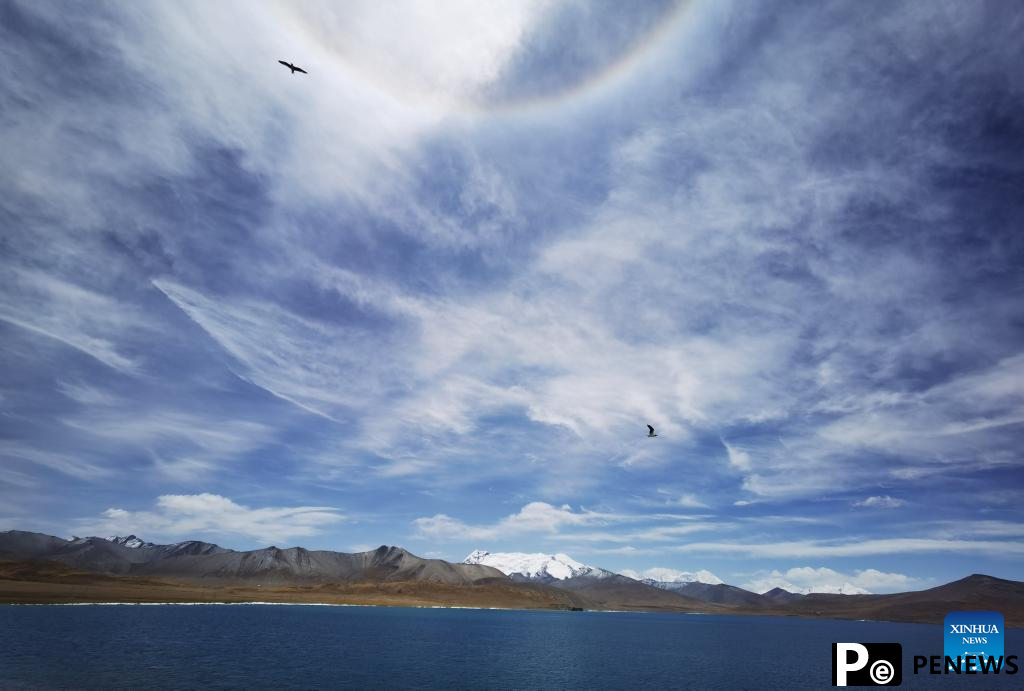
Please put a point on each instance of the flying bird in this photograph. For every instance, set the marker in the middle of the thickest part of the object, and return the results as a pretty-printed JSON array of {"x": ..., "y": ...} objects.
[
  {"x": 652, "y": 432},
  {"x": 292, "y": 67}
]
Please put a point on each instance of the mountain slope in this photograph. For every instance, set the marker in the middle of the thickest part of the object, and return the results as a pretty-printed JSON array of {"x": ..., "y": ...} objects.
[
  {"x": 153, "y": 551},
  {"x": 53, "y": 582},
  {"x": 976, "y": 592},
  {"x": 614, "y": 591},
  {"x": 201, "y": 560},
  {"x": 780, "y": 595},
  {"x": 19, "y": 544},
  {"x": 275, "y": 565},
  {"x": 720, "y": 593}
]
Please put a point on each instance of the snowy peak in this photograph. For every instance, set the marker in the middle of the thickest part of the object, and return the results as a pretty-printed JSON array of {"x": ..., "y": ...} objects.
[
  {"x": 533, "y": 566},
  {"x": 129, "y": 541},
  {"x": 673, "y": 577},
  {"x": 702, "y": 576}
]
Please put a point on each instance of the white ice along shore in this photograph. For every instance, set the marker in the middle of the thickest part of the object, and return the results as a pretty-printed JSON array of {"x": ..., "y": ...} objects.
[{"x": 534, "y": 566}]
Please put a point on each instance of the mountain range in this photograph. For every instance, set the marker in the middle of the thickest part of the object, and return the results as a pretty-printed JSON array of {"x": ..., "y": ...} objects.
[
  {"x": 195, "y": 560},
  {"x": 42, "y": 568}
]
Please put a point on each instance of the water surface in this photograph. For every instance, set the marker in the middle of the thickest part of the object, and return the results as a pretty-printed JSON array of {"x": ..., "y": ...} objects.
[{"x": 308, "y": 647}]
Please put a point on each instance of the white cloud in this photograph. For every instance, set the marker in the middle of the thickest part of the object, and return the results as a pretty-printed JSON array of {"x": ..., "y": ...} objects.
[
  {"x": 684, "y": 500},
  {"x": 881, "y": 502},
  {"x": 807, "y": 579},
  {"x": 192, "y": 515},
  {"x": 87, "y": 395},
  {"x": 441, "y": 526},
  {"x": 724, "y": 211},
  {"x": 942, "y": 423},
  {"x": 441, "y": 54},
  {"x": 688, "y": 501},
  {"x": 600, "y": 368},
  {"x": 559, "y": 521},
  {"x": 738, "y": 458},
  {"x": 535, "y": 517},
  {"x": 658, "y": 573},
  {"x": 857, "y": 548},
  {"x": 969, "y": 528}
]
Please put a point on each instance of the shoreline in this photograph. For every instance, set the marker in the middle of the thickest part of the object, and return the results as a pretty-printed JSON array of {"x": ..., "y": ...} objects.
[
  {"x": 778, "y": 614},
  {"x": 781, "y": 615}
]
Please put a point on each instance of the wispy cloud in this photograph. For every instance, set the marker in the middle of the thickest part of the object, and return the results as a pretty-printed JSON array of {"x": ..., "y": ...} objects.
[
  {"x": 855, "y": 548},
  {"x": 686, "y": 500},
  {"x": 535, "y": 517},
  {"x": 88, "y": 321},
  {"x": 466, "y": 259},
  {"x": 881, "y": 502},
  {"x": 191, "y": 515},
  {"x": 808, "y": 579},
  {"x": 562, "y": 521},
  {"x": 66, "y": 463}
]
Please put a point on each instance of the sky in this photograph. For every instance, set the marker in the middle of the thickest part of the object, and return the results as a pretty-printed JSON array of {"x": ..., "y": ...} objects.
[{"x": 431, "y": 293}]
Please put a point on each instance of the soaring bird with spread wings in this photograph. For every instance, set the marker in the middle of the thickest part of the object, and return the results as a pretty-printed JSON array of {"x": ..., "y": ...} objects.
[
  {"x": 652, "y": 432},
  {"x": 292, "y": 67}
]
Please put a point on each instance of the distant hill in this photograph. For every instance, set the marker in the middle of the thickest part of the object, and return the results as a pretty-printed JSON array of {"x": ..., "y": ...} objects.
[
  {"x": 614, "y": 591},
  {"x": 719, "y": 593},
  {"x": 53, "y": 582},
  {"x": 780, "y": 595},
  {"x": 203, "y": 561},
  {"x": 976, "y": 592}
]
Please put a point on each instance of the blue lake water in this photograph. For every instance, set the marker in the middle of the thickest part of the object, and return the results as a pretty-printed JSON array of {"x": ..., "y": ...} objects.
[{"x": 310, "y": 647}]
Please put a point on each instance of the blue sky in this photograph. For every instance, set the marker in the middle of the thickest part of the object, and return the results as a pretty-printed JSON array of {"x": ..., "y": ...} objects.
[{"x": 430, "y": 293}]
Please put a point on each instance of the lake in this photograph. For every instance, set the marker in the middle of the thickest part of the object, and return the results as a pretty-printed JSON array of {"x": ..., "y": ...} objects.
[{"x": 307, "y": 647}]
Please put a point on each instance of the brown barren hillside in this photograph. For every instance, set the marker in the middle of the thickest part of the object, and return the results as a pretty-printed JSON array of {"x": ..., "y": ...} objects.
[
  {"x": 42, "y": 582},
  {"x": 976, "y": 592},
  {"x": 39, "y": 582}
]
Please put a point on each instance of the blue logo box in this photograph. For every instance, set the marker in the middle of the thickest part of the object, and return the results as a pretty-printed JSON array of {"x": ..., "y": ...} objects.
[{"x": 973, "y": 633}]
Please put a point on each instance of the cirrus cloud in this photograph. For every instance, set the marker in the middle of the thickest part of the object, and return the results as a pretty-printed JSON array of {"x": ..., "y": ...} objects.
[{"x": 189, "y": 515}]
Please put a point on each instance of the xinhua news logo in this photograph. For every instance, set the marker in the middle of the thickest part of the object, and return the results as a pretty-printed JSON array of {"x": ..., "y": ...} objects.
[
  {"x": 867, "y": 664},
  {"x": 975, "y": 637}
]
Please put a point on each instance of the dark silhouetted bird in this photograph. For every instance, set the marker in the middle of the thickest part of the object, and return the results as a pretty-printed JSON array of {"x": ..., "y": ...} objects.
[
  {"x": 651, "y": 433},
  {"x": 292, "y": 67}
]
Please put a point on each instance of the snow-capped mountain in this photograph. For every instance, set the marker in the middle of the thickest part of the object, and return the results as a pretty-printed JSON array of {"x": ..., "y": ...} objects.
[
  {"x": 539, "y": 567},
  {"x": 151, "y": 550},
  {"x": 129, "y": 541},
  {"x": 660, "y": 575}
]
